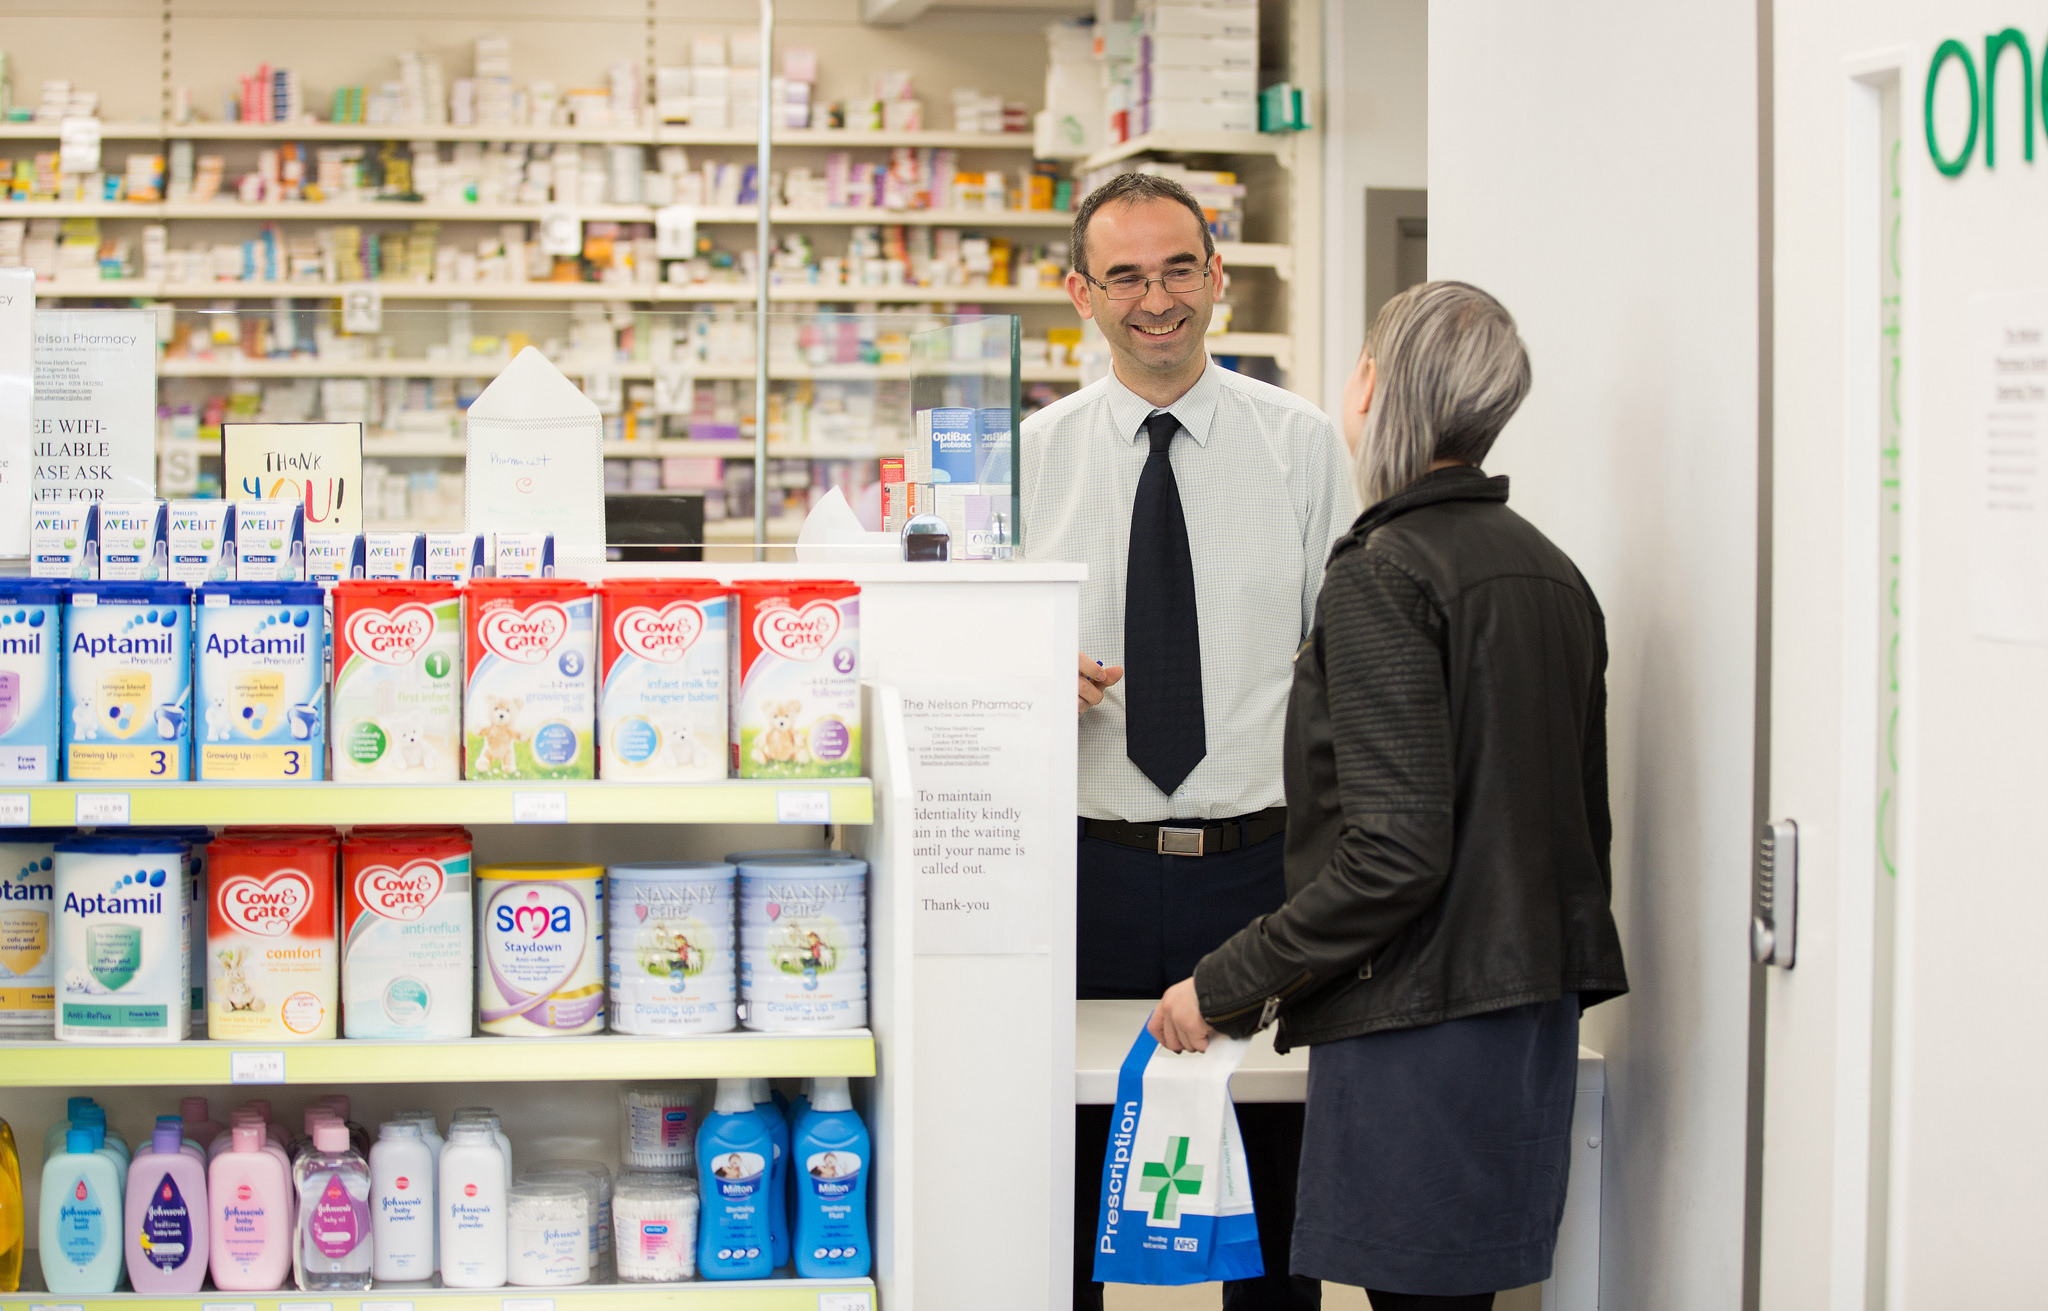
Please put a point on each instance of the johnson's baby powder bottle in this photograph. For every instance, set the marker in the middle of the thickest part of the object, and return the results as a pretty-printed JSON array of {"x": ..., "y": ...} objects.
[
  {"x": 401, "y": 1203},
  {"x": 473, "y": 1188}
]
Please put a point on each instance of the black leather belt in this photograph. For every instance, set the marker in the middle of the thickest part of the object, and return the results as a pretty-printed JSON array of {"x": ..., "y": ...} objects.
[{"x": 1194, "y": 837}]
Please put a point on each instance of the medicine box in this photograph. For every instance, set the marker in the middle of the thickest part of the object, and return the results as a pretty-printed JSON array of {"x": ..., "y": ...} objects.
[
  {"x": 394, "y": 557},
  {"x": 1237, "y": 21},
  {"x": 1233, "y": 84},
  {"x": 202, "y": 541},
  {"x": 454, "y": 557},
  {"x": 524, "y": 555},
  {"x": 64, "y": 541},
  {"x": 1199, "y": 116},
  {"x": 331, "y": 557},
  {"x": 1171, "y": 51},
  {"x": 134, "y": 546},
  {"x": 270, "y": 541}
]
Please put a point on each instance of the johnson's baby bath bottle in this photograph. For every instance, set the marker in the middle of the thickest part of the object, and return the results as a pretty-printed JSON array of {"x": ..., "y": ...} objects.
[
  {"x": 166, "y": 1215},
  {"x": 80, "y": 1227}
]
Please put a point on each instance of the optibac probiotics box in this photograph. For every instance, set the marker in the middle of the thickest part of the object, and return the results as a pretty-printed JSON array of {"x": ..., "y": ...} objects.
[
  {"x": 273, "y": 967},
  {"x": 661, "y": 700},
  {"x": 397, "y": 682},
  {"x": 796, "y": 655},
  {"x": 31, "y": 641},
  {"x": 127, "y": 682},
  {"x": 261, "y": 651},
  {"x": 531, "y": 699}
]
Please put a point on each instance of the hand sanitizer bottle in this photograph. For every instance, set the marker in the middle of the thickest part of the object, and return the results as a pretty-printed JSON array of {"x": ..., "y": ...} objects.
[
  {"x": 735, "y": 1156},
  {"x": 402, "y": 1219},
  {"x": 778, "y": 1173},
  {"x": 248, "y": 1203},
  {"x": 166, "y": 1242},
  {"x": 80, "y": 1228},
  {"x": 331, "y": 1249},
  {"x": 473, "y": 1233},
  {"x": 13, "y": 1218},
  {"x": 829, "y": 1161}
]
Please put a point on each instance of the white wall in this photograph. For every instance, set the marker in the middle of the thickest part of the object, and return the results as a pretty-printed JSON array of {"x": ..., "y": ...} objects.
[
  {"x": 1594, "y": 165},
  {"x": 1376, "y": 105}
]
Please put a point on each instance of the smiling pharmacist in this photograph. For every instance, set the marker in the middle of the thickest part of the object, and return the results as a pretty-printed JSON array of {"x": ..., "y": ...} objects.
[{"x": 1204, "y": 504}]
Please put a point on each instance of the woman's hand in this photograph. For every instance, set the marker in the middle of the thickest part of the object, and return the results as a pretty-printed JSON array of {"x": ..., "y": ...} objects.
[{"x": 1177, "y": 1020}]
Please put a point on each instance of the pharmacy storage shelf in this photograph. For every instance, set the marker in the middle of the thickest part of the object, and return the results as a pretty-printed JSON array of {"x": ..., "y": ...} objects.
[
  {"x": 734, "y": 1295},
  {"x": 665, "y": 134},
  {"x": 1258, "y": 255},
  {"x": 733, "y": 801},
  {"x": 108, "y": 132},
  {"x": 408, "y": 211},
  {"x": 665, "y": 292},
  {"x": 1277, "y": 346},
  {"x": 1280, "y": 145},
  {"x": 312, "y": 367},
  {"x": 600, "y": 1058},
  {"x": 426, "y": 446}
]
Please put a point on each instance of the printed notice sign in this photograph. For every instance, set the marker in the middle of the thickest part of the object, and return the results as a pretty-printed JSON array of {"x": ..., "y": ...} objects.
[
  {"x": 2009, "y": 574},
  {"x": 17, "y": 394},
  {"x": 94, "y": 424},
  {"x": 535, "y": 460},
  {"x": 317, "y": 464},
  {"x": 982, "y": 836}
]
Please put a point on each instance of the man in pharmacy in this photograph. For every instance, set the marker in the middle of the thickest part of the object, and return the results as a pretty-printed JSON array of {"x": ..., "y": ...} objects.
[{"x": 1204, "y": 504}]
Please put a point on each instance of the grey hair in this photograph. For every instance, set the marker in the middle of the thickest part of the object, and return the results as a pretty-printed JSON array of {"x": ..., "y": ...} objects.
[{"x": 1452, "y": 371}]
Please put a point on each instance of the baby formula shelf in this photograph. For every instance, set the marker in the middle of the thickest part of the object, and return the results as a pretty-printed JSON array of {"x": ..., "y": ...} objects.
[
  {"x": 727, "y": 1295},
  {"x": 733, "y": 801},
  {"x": 600, "y": 1057}
]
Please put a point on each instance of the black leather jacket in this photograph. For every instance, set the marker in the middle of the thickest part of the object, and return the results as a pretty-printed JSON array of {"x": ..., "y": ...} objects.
[{"x": 1446, "y": 774}]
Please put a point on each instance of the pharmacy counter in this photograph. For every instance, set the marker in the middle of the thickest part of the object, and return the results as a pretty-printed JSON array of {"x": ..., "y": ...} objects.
[{"x": 1104, "y": 1031}]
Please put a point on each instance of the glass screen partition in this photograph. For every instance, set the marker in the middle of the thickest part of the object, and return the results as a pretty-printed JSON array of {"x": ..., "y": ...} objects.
[{"x": 676, "y": 390}]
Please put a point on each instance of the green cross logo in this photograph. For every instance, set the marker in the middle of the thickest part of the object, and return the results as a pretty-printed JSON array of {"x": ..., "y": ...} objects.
[{"x": 1170, "y": 1178}]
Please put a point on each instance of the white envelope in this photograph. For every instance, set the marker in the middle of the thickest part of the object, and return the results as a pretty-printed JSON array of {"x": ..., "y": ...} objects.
[{"x": 535, "y": 460}]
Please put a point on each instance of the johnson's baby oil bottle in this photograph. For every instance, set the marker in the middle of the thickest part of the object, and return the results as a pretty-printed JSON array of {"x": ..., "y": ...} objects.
[
  {"x": 13, "y": 1220},
  {"x": 331, "y": 1250}
]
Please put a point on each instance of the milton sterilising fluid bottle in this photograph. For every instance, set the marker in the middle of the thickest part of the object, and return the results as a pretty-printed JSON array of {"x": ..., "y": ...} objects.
[
  {"x": 778, "y": 1173},
  {"x": 829, "y": 1174},
  {"x": 735, "y": 1153}
]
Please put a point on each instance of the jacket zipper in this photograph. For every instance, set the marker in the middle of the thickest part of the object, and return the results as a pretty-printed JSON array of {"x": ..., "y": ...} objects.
[{"x": 1269, "y": 1006}]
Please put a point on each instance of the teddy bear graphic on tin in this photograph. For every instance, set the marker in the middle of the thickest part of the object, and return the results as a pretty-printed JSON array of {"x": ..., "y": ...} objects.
[
  {"x": 499, "y": 737},
  {"x": 783, "y": 742}
]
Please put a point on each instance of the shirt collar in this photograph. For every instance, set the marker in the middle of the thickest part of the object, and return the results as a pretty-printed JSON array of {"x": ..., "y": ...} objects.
[{"x": 1195, "y": 409}]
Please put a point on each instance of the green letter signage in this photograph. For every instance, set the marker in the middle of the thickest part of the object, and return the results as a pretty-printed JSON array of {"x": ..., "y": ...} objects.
[
  {"x": 1953, "y": 49},
  {"x": 1995, "y": 45}
]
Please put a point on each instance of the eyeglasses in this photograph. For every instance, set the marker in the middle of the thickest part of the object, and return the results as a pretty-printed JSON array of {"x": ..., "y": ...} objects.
[{"x": 1178, "y": 282}]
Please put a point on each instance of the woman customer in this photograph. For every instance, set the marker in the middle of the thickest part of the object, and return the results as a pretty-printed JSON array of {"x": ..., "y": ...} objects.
[{"x": 1447, "y": 844}]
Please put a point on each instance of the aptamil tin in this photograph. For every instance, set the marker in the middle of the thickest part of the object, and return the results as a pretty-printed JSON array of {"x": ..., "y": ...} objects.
[
  {"x": 197, "y": 839},
  {"x": 661, "y": 713},
  {"x": 28, "y": 970},
  {"x": 127, "y": 682},
  {"x": 796, "y": 669},
  {"x": 672, "y": 965},
  {"x": 803, "y": 941},
  {"x": 397, "y": 682},
  {"x": 531, "y": 702},
  {"x": 121, "y": 934},
  {"x": 273, "y": 967},
  {"x": 31, "y": 642},
  {"x": 540, "y": 936},
  {"x": 260, "y": 649},
  {"x": 408, "y": 955}
]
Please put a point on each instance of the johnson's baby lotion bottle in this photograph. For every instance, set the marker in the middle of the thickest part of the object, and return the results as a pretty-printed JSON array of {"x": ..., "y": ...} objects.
[
  {"x": 166, "y": 1215},
  {"x": 81, "y": 1218},
  {"x": 248, "y": 1194},
  {"x": 473, "y": 1233}
]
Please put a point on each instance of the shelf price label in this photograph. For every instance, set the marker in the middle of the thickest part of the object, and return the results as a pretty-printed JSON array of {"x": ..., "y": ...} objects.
[
  {"x": 384, "y": 1306},
  {"x": 857, "y": 1300},
  {"x": 526, "y": 1304},
  {"x": 256, "y": 1067},
  {"x": 540, "y": 807},
  {"x": 14, "y": 809},
  {"x": 101, "y": 808},
  {"x": 227, "y": 1306},
  {"x": 803, "y": 807}
]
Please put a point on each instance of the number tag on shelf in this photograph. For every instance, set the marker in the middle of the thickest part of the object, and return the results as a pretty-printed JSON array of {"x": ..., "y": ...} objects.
[
  {"x": 14, "y": 809},
  {"x": 362, "y": 310},
  {"x": 101, "y": 808},
  {"x": 384, "y": 1306},
  {"x": 256, "y": 1067},
  {"x": 803, "y": 807},
  {"x": 858, "y": 1300},
  {"x": 540, "y": 807},
  {"x": 526, "y": 1304},
  {"x": 227, "y": 1306}
]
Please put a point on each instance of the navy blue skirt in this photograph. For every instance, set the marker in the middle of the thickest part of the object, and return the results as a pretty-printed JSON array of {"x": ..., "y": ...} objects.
[{"x": 1434, "y": 1160}]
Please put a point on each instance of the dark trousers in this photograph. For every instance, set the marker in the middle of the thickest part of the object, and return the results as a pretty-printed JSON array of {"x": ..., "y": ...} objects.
[{"x": 1145, "y": 920}]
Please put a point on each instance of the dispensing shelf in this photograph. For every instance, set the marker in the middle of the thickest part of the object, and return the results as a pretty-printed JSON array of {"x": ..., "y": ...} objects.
[
  {"x": 1278, "y": 144},
  {"x": 484, "y": 1059},
  {"x": 732, "y": 801},
  {"x": 702, "y": 1295}
]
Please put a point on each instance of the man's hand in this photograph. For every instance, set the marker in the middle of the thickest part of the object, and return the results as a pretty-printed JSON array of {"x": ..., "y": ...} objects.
[
  {"x": 1177, "y": 1020},
  {"x": 1096, "y": 678}
]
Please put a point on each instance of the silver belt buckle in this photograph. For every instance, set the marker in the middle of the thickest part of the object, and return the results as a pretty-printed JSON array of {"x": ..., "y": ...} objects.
[{"x": 1180, "y": 841}]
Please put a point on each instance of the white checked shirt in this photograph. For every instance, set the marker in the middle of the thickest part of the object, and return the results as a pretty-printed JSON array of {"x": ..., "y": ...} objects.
[{"x": 1265, "y": 485}]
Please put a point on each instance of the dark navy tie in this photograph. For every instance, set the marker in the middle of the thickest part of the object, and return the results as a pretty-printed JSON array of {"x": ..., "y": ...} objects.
[{"x": 1163, "y": 730}]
